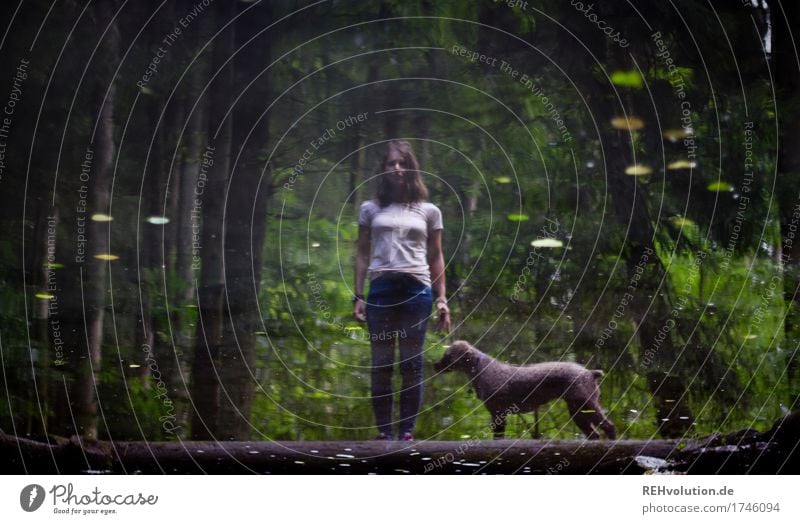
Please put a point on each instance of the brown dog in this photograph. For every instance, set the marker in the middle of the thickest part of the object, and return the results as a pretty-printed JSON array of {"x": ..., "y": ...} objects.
[{"x": 504, "y": 388}]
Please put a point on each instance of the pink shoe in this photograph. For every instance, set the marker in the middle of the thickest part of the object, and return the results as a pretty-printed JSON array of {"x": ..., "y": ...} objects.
[
  {"x": 383, "y": 436},
  {"x": 407, "y": 437}
]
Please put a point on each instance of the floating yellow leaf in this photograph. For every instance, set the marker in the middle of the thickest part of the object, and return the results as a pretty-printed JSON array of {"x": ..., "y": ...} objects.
[
  {"x": 100, "y": 217},
  {"x": 45, "y": 296},
  {"x": 262, "y": 333},
  {"x": 681, "y": 164},
  {"x": 503, "y": 179},
  {"x": 720, "y": 187},
  {"x": 314, "y": 244},
  {"x": 682, "y": 221},
  {"x": 627, "y": 79},
  {"x": 631, "y": 123},
  {"x": 638, "y": 170},
  {"x": 134, "y": 365},
  {"x": 674, "y": 135},
  {"x": 547, "y": 242},
  {"x": 352, "y": 328},
  {"x": 159, "y": 221},
  {"x": 106, "y": 256},
  {"x": 518, "y": 217}
]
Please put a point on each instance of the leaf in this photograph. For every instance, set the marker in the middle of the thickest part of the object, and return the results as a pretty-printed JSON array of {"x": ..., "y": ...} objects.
[
  {"x": 517, "y": 217},
  {"x": 106, "y": 256},
  {"x": 674, "y": 135},
  {"x": 638, "y": 170},
  {"x": 547, "y": 242},
  {"x": 681, "y": 164},
  {"x": 682, "y": 221},
  {"x": 631, "y": 123},
  {"x": 720, "y": 187},
  {"x": 627, "y": 79}
]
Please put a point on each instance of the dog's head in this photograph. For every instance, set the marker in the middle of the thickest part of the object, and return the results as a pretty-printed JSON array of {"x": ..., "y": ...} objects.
[{"x": 460, "y": 356}]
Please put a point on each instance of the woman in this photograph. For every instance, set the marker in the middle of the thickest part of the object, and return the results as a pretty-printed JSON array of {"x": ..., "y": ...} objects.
[{"x": 400, "y": 247}]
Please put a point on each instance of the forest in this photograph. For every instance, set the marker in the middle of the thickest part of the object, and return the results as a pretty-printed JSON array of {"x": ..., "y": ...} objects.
[{"x": 181, "y": 182}]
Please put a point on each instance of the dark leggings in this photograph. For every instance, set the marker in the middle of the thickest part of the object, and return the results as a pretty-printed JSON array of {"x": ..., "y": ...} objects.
[{"x": 398, "y": 308}]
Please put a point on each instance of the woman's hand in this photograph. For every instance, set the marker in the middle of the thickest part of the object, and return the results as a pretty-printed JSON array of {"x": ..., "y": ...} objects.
[
  {"x": 443, "y": 312},
  {"x": 360, "y": 310}
]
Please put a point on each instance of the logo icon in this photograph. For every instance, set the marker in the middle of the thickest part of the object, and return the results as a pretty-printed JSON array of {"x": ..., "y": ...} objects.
[{"x": 31, "y": 497}]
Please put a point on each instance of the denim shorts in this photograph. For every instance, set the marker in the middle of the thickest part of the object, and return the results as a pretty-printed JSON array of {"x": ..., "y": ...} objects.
[{"x": 398, "y": 303}]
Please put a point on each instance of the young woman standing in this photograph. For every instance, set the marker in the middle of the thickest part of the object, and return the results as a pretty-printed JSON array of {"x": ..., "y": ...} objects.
[{"x": 400, "y": 248}]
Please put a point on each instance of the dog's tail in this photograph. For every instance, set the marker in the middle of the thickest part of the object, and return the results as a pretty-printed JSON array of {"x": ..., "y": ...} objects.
[{"x": 597, "y": 373}]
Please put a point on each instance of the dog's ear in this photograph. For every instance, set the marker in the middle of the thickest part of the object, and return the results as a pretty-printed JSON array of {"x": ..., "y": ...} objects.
[
  {"x": 471, "y": 362},
  {"x": 465, "y": 355},
  {"x": 467, "y": 359}
]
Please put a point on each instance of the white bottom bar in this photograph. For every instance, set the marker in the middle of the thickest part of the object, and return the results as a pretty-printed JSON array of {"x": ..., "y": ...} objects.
[{"x": 401, "y": 500}]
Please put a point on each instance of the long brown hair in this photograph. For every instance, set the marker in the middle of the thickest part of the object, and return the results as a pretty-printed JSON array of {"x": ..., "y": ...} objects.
[{"x": 416, "y": 190}]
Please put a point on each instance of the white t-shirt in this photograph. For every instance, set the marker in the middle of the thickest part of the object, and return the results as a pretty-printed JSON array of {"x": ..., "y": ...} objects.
[{"x": 399, "y": 237}]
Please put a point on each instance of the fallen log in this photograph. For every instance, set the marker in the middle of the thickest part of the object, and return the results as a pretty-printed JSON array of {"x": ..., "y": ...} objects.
[{"x": 773, "y": 451}]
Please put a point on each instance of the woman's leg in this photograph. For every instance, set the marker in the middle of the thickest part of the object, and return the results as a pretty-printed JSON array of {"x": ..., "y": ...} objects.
[
  {"x": 379, "y": 323},
  {"x": 382, "y": 397},
  {"x": 412, "y": 340}
]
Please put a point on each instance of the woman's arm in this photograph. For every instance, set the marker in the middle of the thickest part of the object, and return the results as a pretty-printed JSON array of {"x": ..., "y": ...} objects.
[
  {"x": 436, "y": 264},
  {"x": 362, "y": 262}
]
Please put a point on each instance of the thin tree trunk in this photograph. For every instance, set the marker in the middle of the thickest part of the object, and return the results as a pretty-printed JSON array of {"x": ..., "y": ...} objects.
[
  {"x": 205, "y": 385},
  {"x": 186, "y": 186},
  {"x": 245, "y": 223},
  {"x": 45, "y": 286},
  {"x": 95, "y": 276}
]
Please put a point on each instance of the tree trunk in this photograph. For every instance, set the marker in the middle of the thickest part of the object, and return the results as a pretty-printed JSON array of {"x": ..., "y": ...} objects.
[
  {"x": 244, "y": 230},
  {"x": 45, "y": 286},
  {"x": 205, "y": 386},
  {"x": 746, "y": 452},
  {"x": 94, "y": 278}
]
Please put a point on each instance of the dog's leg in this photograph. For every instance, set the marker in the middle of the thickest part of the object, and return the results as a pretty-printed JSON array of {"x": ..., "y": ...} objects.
[
  {"x": 600, "y": 419},
  {"x": 584, "y": 415},
  {"x": 498, "y": 423},
  {"x": 608, "y": 426}
]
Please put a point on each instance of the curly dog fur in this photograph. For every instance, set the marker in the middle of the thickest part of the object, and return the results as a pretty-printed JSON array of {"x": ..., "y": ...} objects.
[{"x": 503, "y": 387}]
